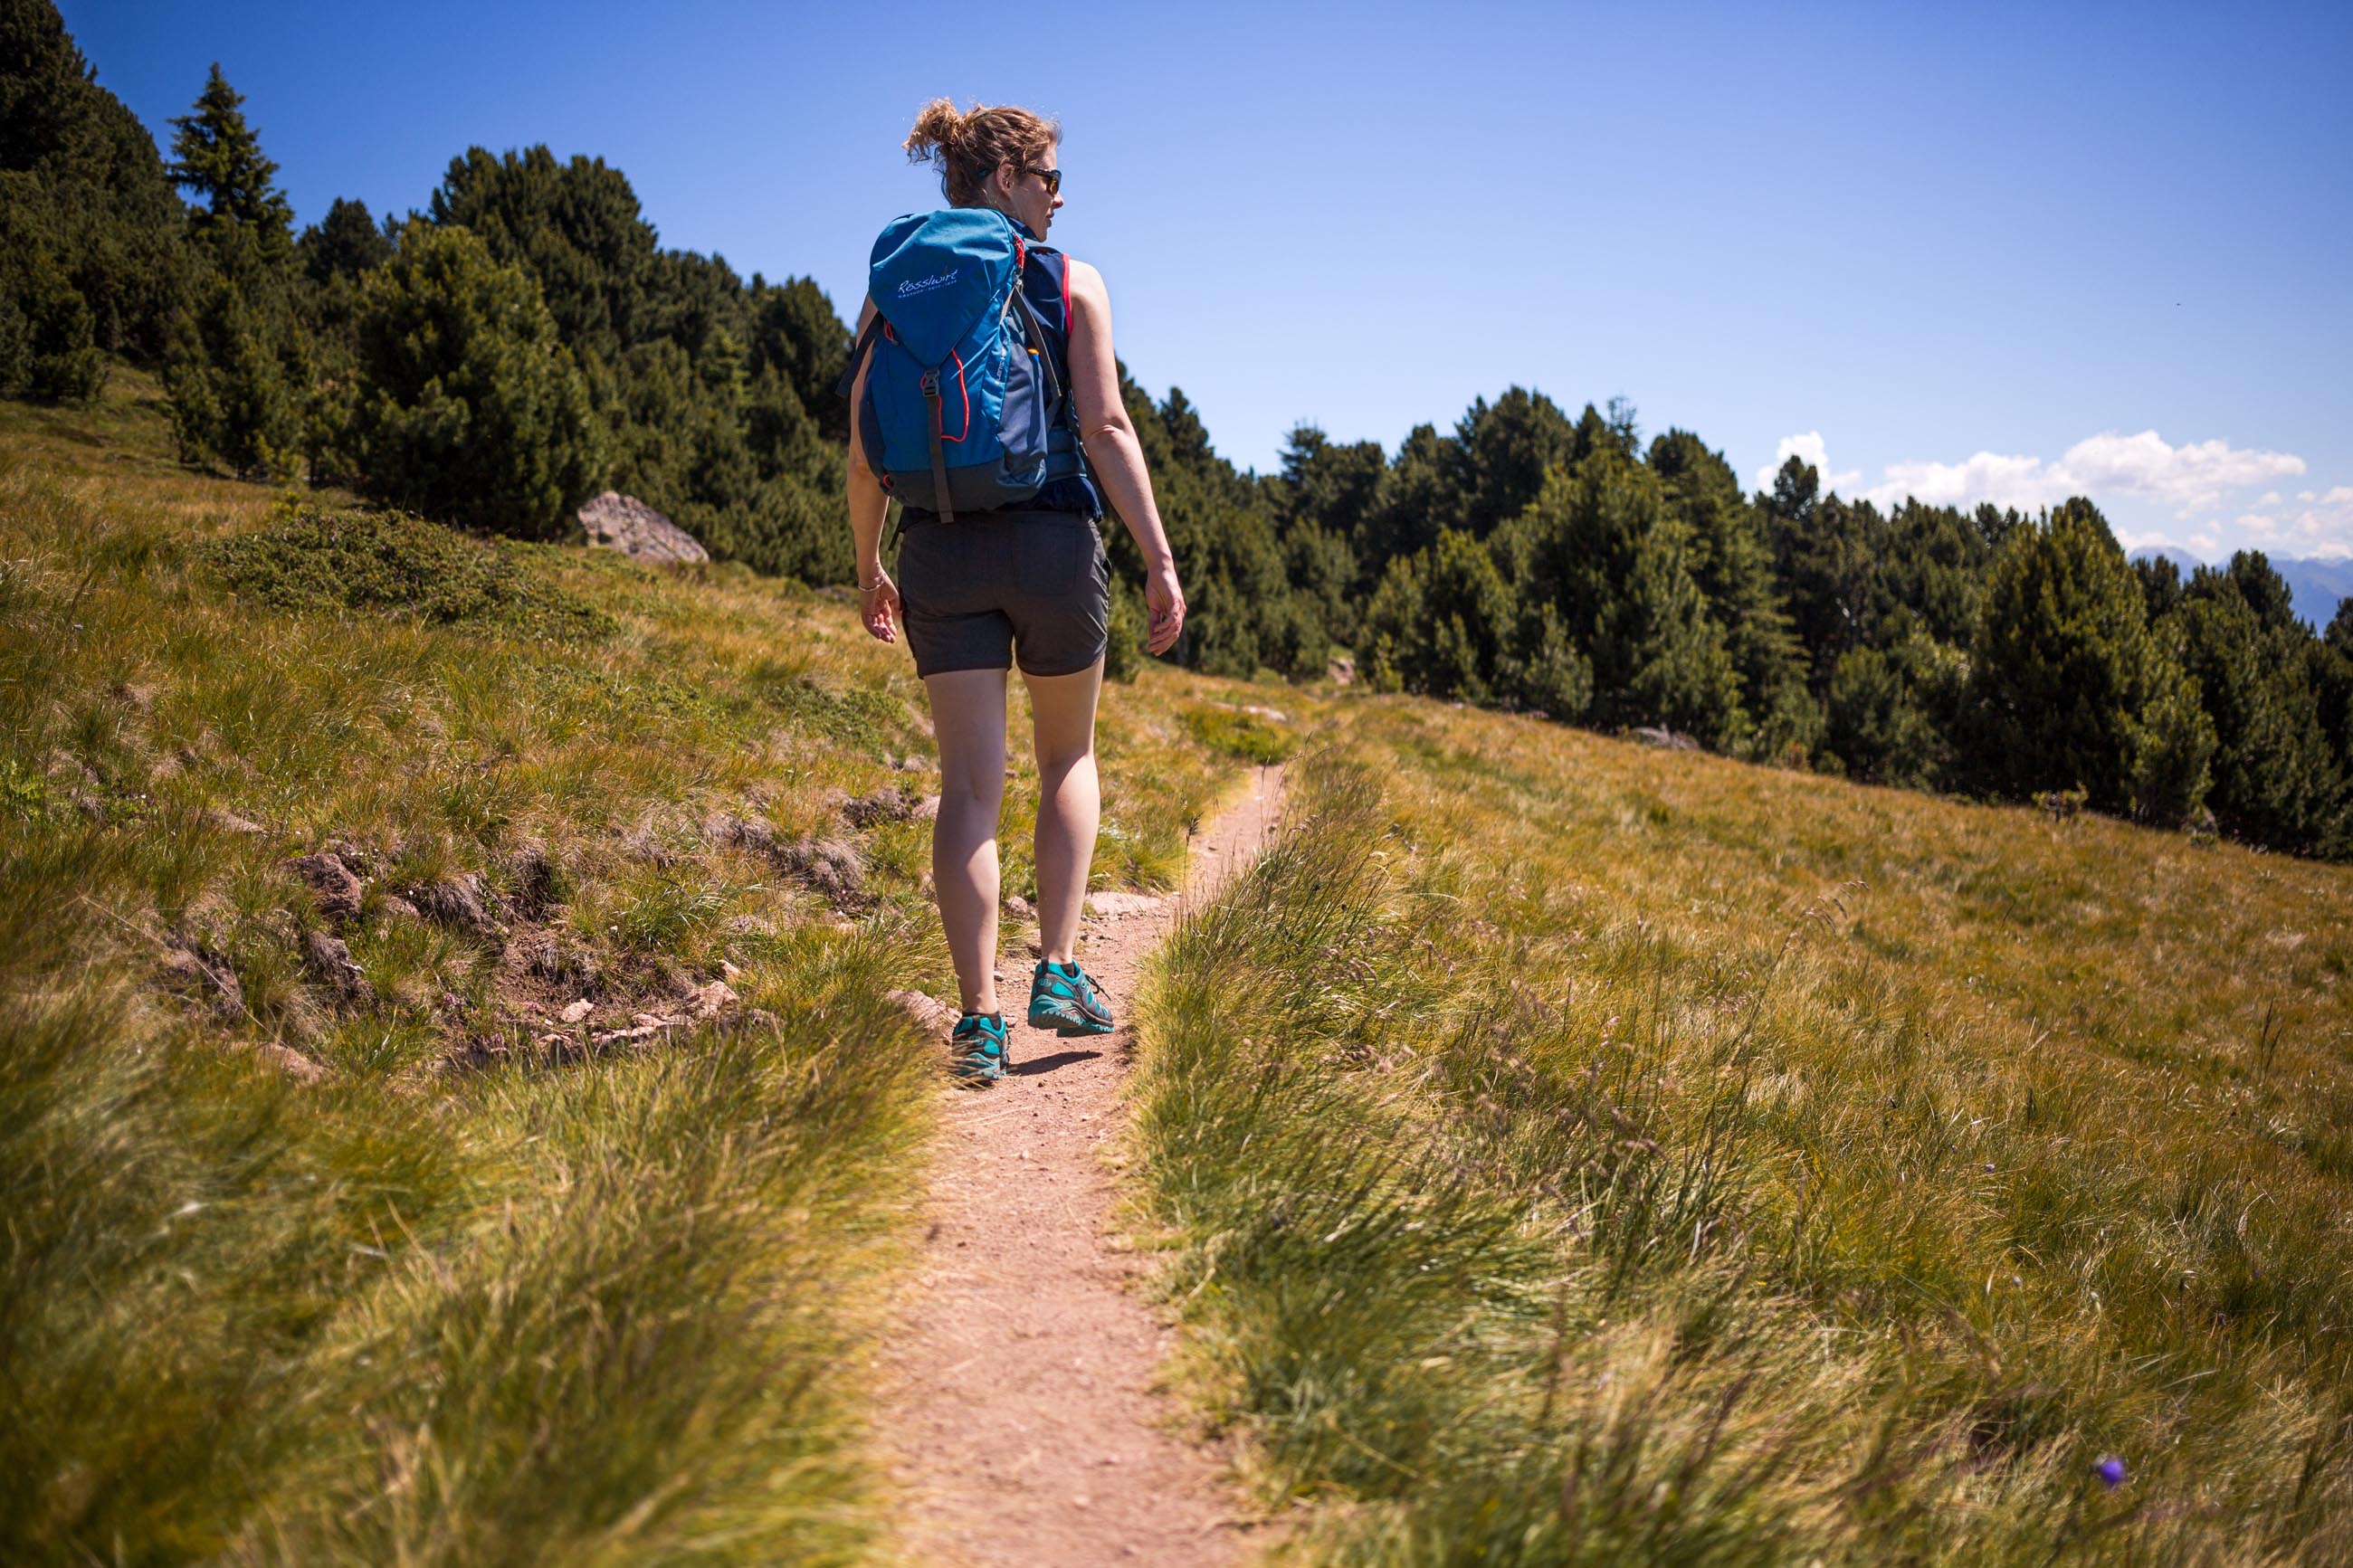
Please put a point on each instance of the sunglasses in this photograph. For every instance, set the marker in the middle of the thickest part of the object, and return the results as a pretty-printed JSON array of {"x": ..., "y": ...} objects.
[{"x": 1054, "y": 178}]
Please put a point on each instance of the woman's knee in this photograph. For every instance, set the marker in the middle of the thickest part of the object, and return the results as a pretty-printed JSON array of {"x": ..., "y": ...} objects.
[
  {"x": 1057, "y": 760},
  {"x": 972, "y": 796}
]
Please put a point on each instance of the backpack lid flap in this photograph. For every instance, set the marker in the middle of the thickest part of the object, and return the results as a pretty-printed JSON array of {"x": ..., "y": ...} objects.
[{"x": 933, "y": 275}]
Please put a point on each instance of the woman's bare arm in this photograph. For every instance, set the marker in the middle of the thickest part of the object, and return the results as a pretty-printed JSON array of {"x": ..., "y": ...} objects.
[
  {"x": 1114, "y": 453},
  {"x": 878, "y": 597}
]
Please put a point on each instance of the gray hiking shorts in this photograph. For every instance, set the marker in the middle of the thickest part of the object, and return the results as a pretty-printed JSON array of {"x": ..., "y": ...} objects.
[{"x": 991, "y": 584}]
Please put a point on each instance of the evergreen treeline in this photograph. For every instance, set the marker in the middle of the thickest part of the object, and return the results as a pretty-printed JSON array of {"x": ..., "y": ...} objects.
[
  {"x": 494, "y": 360},
  {"x": 525, "y": 341}
]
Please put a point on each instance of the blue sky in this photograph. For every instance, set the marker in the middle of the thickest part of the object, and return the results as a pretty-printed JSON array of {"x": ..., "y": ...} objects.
[{"x": 1976, "y": 252}]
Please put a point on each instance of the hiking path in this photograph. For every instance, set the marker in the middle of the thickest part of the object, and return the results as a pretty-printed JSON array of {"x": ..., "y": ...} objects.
[{"x": 1018, "y": 1405}]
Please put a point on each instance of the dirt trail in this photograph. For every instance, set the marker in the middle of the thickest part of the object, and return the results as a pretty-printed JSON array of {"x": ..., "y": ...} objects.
[{"x": 1020, "y": 1407}]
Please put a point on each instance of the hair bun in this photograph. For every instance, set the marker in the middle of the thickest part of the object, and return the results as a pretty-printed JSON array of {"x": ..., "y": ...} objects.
[
  {"x": 937, "y": 125},
  {"x": 969, "y": 148}
]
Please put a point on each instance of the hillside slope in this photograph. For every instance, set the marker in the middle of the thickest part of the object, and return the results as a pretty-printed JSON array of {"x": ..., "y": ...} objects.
[
  {"x": 451, "y": 1108},
  {"x": 1573, "y": 1151},
  {"x": 1561, "y": 1149}
]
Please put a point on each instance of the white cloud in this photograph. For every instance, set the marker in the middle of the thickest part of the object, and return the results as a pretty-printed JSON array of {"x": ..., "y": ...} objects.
[
  {"x": 2190, "y": 478},
  {"x": 1808, "y": 448},
  {"x": 2271, "y": 498},
  {"x": 2023, "y": 482},
  {"x": 2324, "y": 528}
]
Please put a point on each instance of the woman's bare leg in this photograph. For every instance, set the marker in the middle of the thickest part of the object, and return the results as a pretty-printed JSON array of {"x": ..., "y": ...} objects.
[
  {"x": 968, "y": 722},
  {"x": 1070, "y": 803}
]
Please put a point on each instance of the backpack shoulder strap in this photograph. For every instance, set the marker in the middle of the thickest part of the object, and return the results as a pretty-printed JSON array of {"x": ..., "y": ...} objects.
[
  {"x": 1034, "y": 330},
  {"x": 858, "y": 355}
]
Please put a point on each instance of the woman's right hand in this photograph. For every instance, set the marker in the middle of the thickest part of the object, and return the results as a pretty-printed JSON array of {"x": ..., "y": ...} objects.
[
  {"x": 1165, "y": 600},
  {"x": 877, "y": 606}
]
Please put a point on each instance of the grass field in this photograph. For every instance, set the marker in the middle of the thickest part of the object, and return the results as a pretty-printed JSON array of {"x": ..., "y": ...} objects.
[
  {"x": 1561, "y": 1151},
  {"x": 331, "y": 1237},
  {"x": 1745, "y": 1167}
]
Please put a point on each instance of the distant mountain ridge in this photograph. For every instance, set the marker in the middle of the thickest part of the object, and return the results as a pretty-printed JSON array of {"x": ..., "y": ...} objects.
[{"x": 2315, "y": 582}]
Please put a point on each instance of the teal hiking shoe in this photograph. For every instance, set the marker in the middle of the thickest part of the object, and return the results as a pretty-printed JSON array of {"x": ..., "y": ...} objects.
[
  {"x": 976, "y": 1050},
  {"x": 1063, "y": 999}
]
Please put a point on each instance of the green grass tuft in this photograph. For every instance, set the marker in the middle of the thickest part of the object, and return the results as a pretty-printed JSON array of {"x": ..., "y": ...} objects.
[
  {"x": 310, "y": 559},
  {"x": 1248, "y": 736}
]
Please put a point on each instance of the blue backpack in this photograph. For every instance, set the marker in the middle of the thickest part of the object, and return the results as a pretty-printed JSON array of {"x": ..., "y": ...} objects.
[{"x": 965, "y": 409}]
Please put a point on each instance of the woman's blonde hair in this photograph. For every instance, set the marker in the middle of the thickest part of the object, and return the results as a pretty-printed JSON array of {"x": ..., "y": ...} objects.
[{"x": 968, "y": 147}]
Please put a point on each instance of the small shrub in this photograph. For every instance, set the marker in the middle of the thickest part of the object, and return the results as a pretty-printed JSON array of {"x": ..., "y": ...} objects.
[
  {"x": 1244, "y": 735},
  {"x": 312, "y": 559}
]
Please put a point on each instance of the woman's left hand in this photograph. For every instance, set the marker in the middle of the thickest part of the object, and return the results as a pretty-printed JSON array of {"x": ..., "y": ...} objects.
[{"x": 877, "y": 606}]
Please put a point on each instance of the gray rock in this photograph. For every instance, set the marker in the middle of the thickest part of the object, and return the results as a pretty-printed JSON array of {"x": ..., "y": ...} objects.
[
  {"x": 615, "y": 522},
  {"x": 709, "y": 1001},
  {"x": 927, "y": 1014}
]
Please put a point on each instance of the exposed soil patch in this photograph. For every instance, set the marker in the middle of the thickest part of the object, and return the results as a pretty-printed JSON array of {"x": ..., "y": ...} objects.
[{"x": 1021, "y": 1411}]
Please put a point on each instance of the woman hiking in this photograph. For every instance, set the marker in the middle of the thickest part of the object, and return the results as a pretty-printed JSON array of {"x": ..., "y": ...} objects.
[{"x": 983, "y": 587}]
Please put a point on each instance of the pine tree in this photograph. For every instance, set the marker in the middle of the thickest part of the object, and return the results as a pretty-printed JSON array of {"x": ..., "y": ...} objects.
[
  {"x": 240, "y": 367},
  {"x": 2329, "y": 658},
  {"x": 1406, "y": 511},
  {"x": 1733, "y": 567},
  {"x": 1889, "y": 715},
  {"x": 468, "y": 408},
  {"x": 239, "y": 371},
  {"x": 796, "y": 329},
  {"x": 90, "y": 251},
  {"x": 1602, "y": 547},
  {"x": 1498, "y": 459},
  {"x": 2276, "y": 780},
  {"x": 2070, "y": 685},
  {"x": 345, "y": 244},
  {"x": 1437, "y": 622},
  {"x": 217, "y": 155},
  {"x": 1829, "y": 557}
]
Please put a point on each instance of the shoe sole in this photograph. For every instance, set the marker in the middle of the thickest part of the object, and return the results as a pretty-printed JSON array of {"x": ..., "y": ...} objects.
[{"x": 1067, "y": 1025}]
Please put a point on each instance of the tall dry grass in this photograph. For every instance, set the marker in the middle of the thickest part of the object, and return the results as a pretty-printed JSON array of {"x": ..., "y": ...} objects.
[
  {"x": 309, "y": 1260},
  {"x": 1572, "y": 1152}
]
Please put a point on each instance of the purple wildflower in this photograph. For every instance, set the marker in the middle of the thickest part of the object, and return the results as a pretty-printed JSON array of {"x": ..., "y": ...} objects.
[{"x": 2111, "y": 1471}]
